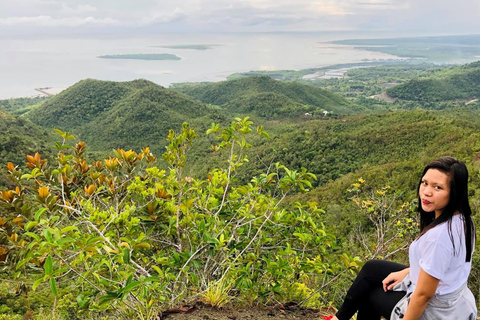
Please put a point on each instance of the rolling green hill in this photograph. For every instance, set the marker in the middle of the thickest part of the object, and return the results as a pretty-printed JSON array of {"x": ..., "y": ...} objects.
[
  {"x": 269, "y": 105},
  {"x": 456, "y": 83},
  {"x": 144, "y": 118},
  {"x": 113, "y": 114},
  {"x": 82, "y": 103},
  {"x": 264, "y": 96}
]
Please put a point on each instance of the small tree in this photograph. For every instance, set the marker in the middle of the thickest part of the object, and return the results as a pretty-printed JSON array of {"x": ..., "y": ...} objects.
[{"x": 392, "y": 223}]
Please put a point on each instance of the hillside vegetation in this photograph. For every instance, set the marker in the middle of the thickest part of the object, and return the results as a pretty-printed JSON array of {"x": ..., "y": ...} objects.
[
  {"x": 82, "y": 103},
  {"x": 455, "y": 83},
  {"x": 331, "y": 149},
  {"x": 20, "y": 105},
  {"x": 110, "y": 115},
  {"x": 264, "y": 96}
]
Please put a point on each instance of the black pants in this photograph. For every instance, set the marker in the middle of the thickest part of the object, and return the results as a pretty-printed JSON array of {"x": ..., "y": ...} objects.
[{"x": 366, "y": 294}]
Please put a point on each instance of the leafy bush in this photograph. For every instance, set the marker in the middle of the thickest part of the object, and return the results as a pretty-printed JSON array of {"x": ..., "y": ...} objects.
[{"x": 135, "y": 239}]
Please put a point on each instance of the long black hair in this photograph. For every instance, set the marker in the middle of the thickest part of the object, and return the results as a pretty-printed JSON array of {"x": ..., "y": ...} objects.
[{"x": 458, "y": 201}]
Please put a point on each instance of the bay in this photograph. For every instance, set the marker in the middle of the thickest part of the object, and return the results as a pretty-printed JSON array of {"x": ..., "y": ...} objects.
[{"x": 38, "y": 61}]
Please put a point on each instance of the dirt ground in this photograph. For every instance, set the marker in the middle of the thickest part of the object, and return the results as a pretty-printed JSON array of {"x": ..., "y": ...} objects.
[{"x": 203, "y": 312}]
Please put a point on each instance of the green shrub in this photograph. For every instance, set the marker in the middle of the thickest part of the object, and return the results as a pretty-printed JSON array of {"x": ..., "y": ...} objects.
[{"x": 135, "y": 239}]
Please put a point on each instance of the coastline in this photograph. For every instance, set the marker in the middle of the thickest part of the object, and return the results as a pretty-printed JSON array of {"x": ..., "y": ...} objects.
[
  {"x": 331, "y": 71},
  {"x": 73, "y": 61},
  {"x": 319, "y": 58}
]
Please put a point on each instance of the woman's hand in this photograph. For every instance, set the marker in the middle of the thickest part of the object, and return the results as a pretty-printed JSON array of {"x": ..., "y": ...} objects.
[
  {"x": 424, "y": 291},
  {"x": 394, "y": 278}
]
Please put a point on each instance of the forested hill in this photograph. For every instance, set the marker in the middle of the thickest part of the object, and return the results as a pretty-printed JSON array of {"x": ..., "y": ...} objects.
[
  {"x": 351, "y": 144},
  {"x": 83, "y": 102},
  {"x": 455, "y": 83},
  {"x": 110, "y": 115},
  {"x": 265, "y": 96}
]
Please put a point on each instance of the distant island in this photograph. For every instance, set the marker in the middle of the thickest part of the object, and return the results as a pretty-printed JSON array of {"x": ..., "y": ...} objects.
[
  {"x": 189, "y": 46},
  {"x": 143, "y": 56},
  {"x": 438, "y": 49}
]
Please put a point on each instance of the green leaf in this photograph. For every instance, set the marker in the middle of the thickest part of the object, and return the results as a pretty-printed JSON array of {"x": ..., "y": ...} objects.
[
  {"x": 26, "y": 176},
  {"x": 64, "y": 135},
  {"x": 48, "y": 235},
  {"x": 107, "y": 298},
  {"x": 37, "y": 283},
  {"x": 53, "y": 286},
  {"x": 126, "y": 255},
  {"x": 65, "y": 240},
  {"x": 201, "y": 226},
  {"x": 152, "y": 279},
  {"x": 94, "y": 240},
  {"x": 65, "y": 146},
  {"x": 193, "y": 278},
  {"x": 129, "y": 287},
  {"x": 158, "y": 270},
  {"x": 34, "y": 236},
  {"x": 141, "y": 245},
  {"x": 68, "y": 229},
  {"x": 39, "y": 213},
  {"x": 21, "y": 263},
  {"x": 30, "y": 225},
  {"x": 48, "y": 266},
  {"x": 96, "y": 276}
]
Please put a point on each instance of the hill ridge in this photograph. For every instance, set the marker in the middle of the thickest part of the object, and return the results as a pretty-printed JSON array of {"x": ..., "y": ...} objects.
[{"x": 229, "y": 93}]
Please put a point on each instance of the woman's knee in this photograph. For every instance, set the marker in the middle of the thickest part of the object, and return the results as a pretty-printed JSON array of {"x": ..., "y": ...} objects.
[
  {"x": 373, "y": 265},
  {"x": 379, "y": 269}
]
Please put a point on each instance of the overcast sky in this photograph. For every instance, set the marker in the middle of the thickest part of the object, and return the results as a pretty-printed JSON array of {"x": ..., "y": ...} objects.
[{"x": 397, "y": 16}]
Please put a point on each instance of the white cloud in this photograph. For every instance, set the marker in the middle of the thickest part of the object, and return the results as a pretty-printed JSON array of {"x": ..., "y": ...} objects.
[
  {"x": 162, "y": 17},
  {"x": 246, "y": 15},
  {"x": 48, "y": 21},
  {"x": 79, "y": 9},
  {"x": 331, "y": 8}
]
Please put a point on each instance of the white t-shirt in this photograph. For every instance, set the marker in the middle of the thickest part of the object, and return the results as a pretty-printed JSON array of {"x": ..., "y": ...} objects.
[{"x": 435, "y": 254}]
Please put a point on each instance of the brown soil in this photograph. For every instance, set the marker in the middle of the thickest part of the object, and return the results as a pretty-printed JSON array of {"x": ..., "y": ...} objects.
[
  {"x": 384, "y": 97},
  {"x": 203, "y": 312}
]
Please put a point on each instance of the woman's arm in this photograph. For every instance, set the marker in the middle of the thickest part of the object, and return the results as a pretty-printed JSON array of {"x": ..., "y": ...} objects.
[
  {"x": 424, "y": 291},
  {"x": 394, "y": 278}
]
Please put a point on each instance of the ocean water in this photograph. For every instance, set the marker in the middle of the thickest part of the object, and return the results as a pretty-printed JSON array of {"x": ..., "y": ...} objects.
[{"x": 39, "y": 61}]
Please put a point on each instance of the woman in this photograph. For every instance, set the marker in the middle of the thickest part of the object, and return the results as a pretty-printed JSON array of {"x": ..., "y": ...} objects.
[{"x": 434, "y": 286}]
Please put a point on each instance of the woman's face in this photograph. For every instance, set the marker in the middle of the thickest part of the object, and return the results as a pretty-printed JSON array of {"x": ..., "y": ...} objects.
[{"x": 434, "y": 191}]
